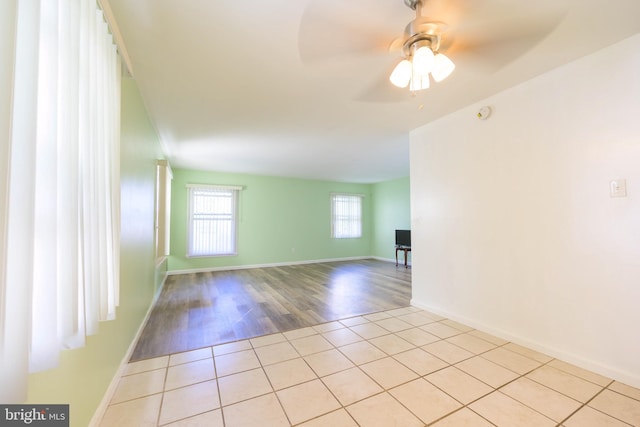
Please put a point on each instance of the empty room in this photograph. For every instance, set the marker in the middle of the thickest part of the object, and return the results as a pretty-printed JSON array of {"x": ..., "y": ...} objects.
[{"x": 320, "y": 213}]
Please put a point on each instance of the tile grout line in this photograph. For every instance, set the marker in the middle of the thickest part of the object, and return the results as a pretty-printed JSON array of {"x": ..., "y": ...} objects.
[
  {"x": 164, "y": 384},
  {"x": 215, "y": 370},
  {"x": 384, "y": 390},
  {"x": 595, "y": 409},
  {"x": 274, "y": 391},
  {"x": 494, "y": 389},
  {"x": 387, "y": 355}
]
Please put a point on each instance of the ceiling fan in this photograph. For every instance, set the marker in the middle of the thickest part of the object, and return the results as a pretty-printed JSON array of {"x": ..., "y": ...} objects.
[
  {"x": 482, "y": 35},
  {"x": 420, "y": 47}
]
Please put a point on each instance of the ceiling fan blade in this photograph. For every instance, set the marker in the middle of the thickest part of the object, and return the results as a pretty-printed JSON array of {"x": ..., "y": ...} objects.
[
  {"x": 339, "y": 29},
  {"x": 492, "y": 42},
  {"x": 451, "y": 12},
  {"x": 381, "y": 91},
  {"x": 480, "y": 36}
]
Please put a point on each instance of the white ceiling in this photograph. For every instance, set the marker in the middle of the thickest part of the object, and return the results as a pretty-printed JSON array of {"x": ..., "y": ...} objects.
[{"x": 299, "y": 89}]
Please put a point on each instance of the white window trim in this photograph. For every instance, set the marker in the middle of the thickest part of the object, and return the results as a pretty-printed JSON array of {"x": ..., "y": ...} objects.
[
  {"x": 332, "y": 212},
  {"x": 213, "y": 186},
  {"x": 163, "y": 210},
  {"x": 236, "y": 218}
]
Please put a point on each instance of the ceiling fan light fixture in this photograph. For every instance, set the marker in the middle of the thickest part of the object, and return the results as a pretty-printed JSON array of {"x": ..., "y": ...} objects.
[
  {"x": 420, "y": 46},
  {"x": 419, "y": 82},
  {"x": 401, "y": 74},
  {"x": 423, "y": 59},
  {"x": 442, "y": 68}
]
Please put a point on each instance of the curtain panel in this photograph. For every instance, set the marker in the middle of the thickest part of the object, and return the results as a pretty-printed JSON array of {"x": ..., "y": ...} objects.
[{"x": 59, "y": 183}]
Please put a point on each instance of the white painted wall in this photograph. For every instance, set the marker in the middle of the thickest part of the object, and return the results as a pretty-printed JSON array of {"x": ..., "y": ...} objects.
[{"x": 514, "y": 231}]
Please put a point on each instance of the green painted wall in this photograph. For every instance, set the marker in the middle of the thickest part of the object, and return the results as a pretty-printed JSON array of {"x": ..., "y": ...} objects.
[
  {"x": 392, "y": 210},
  {"x": 84, "y": 374},
  {"x": 280, "y": 220}
]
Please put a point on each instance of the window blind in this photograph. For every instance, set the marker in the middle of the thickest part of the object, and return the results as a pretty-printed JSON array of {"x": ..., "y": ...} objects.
[
  {"x": 346, "y": 216},
  {"x": 212, "y": 220}
]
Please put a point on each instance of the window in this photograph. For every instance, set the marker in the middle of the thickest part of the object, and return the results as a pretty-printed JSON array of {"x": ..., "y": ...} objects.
[
  {"x": 212, "y": 220},
  {"x": 346, "y": 216},
  {"x": 163, "y": 208}
]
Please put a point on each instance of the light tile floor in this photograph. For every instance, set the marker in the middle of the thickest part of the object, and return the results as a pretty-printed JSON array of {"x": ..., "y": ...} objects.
[{"x": 404, "y": 367}]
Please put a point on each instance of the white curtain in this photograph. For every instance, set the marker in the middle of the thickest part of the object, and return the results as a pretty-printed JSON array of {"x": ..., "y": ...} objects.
[{"x": 59, "y": 183}]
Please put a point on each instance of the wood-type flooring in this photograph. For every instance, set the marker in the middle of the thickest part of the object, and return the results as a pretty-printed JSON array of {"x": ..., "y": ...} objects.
[{"x": 203, "y": 309}]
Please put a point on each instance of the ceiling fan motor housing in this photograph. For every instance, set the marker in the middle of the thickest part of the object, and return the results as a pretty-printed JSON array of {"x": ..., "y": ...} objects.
[
  {"x": 421, "y": 30},
  {"x": 412, "y": 44},
  {"x": 412, "y": 3}
]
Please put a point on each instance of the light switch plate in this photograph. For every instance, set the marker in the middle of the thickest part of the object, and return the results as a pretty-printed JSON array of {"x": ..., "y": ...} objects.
[{"x": 618, "y": 188}]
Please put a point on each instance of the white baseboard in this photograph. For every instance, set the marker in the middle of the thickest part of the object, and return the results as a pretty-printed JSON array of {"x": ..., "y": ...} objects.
[
  {"x": 108, "y": 395},
  {"x": 276, "y": 264},
  {"x": 400, "y": 263},
  {"x": 628, "y": 378}
]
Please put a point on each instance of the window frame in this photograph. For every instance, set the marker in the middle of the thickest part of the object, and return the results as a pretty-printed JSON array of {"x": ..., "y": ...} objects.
[
  {"x": 164, "y": 176},
  {"x": 235, "y": 192},
  {"x": 359, "y": 217}
]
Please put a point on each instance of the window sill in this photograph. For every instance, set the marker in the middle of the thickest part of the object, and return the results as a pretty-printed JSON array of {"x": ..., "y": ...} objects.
[{"x": 211, "y": 256}]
